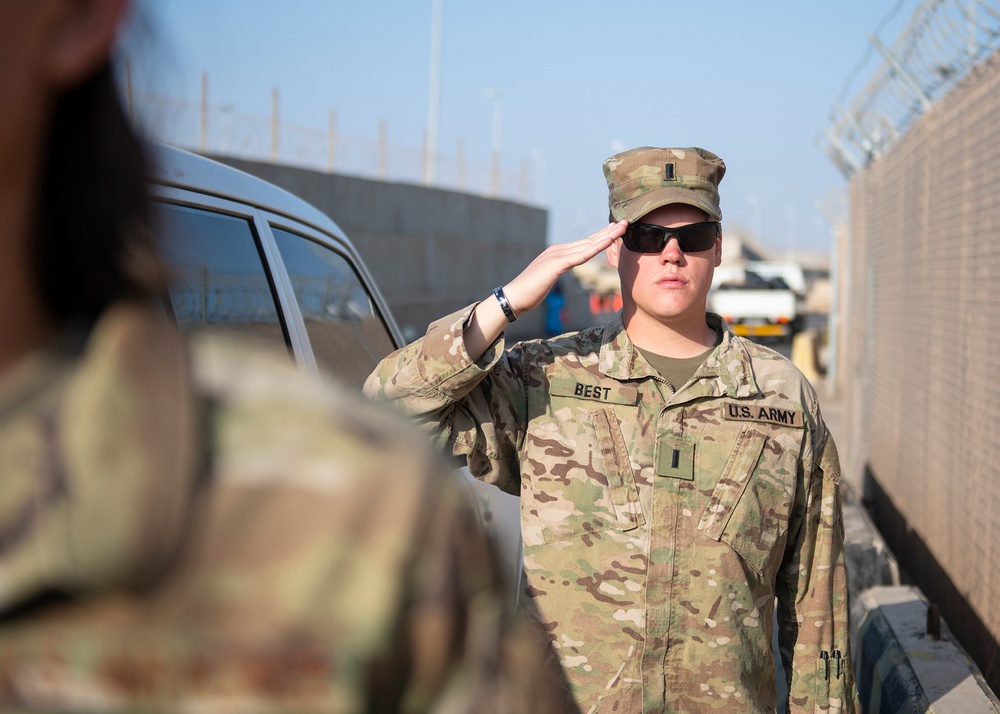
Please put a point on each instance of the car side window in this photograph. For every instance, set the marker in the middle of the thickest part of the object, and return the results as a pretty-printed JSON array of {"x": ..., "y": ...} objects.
[
  {"x": 347, "y": 335},
  {"x": 218, "y": 279}
]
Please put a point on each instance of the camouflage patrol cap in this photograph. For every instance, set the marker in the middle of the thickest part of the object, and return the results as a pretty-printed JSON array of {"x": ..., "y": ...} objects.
[{"x": 643, "y": 179}]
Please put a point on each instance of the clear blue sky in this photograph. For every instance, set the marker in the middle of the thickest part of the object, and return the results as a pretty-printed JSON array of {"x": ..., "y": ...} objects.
[{"x": 753, "y": 82}]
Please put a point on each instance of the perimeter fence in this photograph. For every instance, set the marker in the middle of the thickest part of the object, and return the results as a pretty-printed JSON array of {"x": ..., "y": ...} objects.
[
  {"x": 216, "y": 127},
  {"x": 920, "y": 313}
]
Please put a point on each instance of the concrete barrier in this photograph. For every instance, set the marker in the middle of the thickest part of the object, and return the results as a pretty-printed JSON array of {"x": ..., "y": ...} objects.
[
  {"x": 900, "y": 667},
  {"x": 906, "y": 660},
  {"x": 869, "y": 561}
]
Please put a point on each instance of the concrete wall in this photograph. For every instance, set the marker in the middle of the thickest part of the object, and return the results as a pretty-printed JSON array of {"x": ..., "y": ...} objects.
[
  {"x": 431, "y": 251},
  {"x": 907, "y": 661}
]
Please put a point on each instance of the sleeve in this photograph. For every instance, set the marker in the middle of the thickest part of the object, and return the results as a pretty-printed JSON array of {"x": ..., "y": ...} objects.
[
  {"x": 462, "y": 643},
  {"x": 813, "y": 626},
  {"x": 475, "y": 409},
  {"x": 329, "y": 564}
]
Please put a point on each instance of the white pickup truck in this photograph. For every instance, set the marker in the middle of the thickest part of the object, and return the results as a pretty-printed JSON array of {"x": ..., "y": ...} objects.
[{"x": 760, "y": 299}]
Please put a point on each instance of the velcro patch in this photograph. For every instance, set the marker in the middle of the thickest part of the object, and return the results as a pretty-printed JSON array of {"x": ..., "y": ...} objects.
[
  {"x": 609, "y": 393},
  {"x": 734, "y": 411},
  {"x": 675, "y": 459}
]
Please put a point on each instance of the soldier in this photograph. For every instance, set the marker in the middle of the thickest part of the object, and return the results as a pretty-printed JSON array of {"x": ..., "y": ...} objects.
[
  {"x": 675, "y": 479},
  {"x": 200, "y": 528}
]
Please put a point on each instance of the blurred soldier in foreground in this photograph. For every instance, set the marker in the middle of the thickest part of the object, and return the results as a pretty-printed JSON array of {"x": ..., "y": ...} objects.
[
  {"x": 205, "y": 533},
  {"x": 675, "y": 479}
]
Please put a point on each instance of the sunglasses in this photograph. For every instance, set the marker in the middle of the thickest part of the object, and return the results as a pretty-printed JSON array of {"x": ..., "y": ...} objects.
[{"x": 647, "y": 238}]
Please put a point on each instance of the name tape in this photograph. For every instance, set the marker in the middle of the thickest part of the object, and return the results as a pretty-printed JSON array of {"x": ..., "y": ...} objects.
[{"x": 612, "y": 394}]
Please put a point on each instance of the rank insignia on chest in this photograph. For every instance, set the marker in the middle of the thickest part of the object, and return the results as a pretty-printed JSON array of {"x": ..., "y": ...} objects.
[
  {"x": 675, "y": 458},
  {"x": 734, "y": 411}
]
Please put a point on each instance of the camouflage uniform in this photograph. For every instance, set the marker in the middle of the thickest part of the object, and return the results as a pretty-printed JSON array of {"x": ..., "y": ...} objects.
[
  {"x": 237, "y": 539},
  {"x": 658, "y": 527}
]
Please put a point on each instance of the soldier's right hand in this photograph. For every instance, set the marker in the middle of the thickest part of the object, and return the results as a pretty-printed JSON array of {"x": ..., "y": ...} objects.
[{"x": 528, "y": 290}]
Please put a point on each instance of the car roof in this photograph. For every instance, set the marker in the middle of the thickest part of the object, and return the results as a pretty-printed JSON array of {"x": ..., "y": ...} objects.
[{"x": 176, "y": 167}]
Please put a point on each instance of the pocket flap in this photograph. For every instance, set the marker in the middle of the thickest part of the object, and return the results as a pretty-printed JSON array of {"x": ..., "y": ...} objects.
[
  {"x": 735, "y": 477},
  {"x": 618, "y": 470}
]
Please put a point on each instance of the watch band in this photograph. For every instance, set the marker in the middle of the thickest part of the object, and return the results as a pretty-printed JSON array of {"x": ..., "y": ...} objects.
[{"x": 508, "y": 311}]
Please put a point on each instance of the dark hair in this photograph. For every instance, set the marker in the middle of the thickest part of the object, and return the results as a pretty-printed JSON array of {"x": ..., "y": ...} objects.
[{"x": 92, "y": 244}]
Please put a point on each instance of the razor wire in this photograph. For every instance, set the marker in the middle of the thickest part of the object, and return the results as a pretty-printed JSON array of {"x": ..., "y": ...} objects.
[{"x": 942, "y": 42}]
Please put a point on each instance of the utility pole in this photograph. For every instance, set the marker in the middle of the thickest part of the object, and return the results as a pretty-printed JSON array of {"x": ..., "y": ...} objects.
[
  {"x": 497, "y": 139},
  {"x": 434, "y": 93}
]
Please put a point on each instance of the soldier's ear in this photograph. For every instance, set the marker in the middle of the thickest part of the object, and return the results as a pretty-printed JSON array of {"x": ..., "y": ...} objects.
[
  {"x": 613, "y": 252},
  {"x": 79, "y": 37}
]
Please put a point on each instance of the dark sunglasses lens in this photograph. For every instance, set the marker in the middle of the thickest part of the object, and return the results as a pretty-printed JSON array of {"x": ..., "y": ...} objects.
[
  {"x": 646, "y": 238},
  {"x": 697, "y": 237}
]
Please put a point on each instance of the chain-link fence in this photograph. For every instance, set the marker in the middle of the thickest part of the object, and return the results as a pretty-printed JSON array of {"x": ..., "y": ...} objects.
[{"x": 920, "y": 308}]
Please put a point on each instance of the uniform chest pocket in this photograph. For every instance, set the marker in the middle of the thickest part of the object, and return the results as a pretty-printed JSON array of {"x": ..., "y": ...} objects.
[
  {"x": 750, "y": 505},
  {"x": 581, "y": 484}
]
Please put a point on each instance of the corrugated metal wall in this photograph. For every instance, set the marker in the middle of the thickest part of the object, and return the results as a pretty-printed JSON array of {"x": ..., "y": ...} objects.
[{"x": 920, "y": 310}]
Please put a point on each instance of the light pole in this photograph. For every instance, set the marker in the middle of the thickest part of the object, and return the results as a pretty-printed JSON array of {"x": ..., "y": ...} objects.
[
  {"x": 434, "y": 93},
  {"x": 497, "y": 139}
]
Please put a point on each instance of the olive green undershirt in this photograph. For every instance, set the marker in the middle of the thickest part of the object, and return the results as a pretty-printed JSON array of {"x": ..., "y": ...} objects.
[{"x": 677, "y": 371}]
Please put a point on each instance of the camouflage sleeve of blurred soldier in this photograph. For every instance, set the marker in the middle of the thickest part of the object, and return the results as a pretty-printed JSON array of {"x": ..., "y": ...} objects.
[{"x": 238, "y": 537}]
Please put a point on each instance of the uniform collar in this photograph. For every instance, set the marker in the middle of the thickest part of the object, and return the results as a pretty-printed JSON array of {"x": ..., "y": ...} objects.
[{"x": 727, "y": 371}]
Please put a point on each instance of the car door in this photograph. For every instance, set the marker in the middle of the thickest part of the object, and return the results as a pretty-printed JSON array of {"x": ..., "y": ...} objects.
[{"x": 244, "y": 270}]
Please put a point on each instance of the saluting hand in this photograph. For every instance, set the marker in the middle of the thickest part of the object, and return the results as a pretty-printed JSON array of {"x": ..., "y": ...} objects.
[{"x": 528, "y": 290}]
